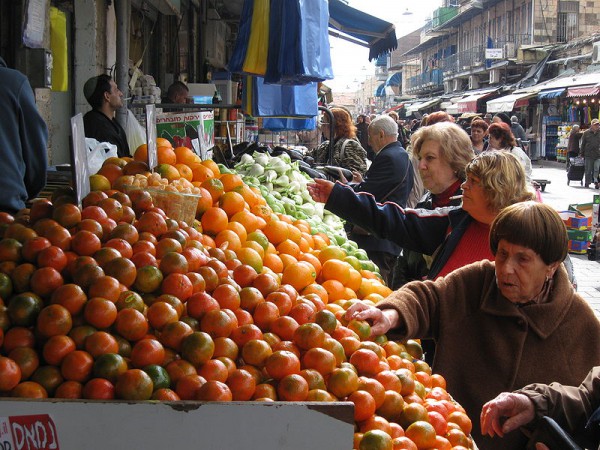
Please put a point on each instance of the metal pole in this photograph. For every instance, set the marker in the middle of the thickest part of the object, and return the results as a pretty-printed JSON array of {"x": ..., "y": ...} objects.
[{"x": 123, "y": 13}]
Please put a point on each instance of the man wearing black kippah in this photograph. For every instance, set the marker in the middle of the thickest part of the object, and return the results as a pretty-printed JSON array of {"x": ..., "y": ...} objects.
[{"x": 105, "y": 98}]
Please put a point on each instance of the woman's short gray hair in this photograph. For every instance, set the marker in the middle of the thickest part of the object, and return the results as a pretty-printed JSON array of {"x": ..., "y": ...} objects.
[{"x": 386, "y": 124}]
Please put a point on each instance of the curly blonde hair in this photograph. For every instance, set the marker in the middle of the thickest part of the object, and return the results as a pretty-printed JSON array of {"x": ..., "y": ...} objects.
[{"x": 502, "y": 178}]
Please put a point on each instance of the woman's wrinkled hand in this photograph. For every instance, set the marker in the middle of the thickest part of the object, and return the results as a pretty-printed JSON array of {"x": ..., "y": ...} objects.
[
  {"x": 380, "y": 321},
  {"x": 320, "y": 190},
  {"x": 516, "y": 408}
]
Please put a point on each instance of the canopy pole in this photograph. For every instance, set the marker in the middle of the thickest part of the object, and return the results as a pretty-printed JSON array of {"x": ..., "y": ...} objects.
[
  {"x": 347, "y": 38},
  {"x": 122, "y": 12}
]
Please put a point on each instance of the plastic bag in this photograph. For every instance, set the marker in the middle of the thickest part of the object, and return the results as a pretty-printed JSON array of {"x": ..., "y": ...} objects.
[
  {"x": 98, "y": 152},
  {"x": 136, "y": 134}
]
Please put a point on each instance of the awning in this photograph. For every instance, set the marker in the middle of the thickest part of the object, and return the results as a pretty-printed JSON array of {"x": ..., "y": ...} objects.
[
  {"x": 380, "y": 91},
  {"x": 422, "y": 105},
  {"x": 429, "y": 103},
  {"x": 584, "y": 91},
  {"x": 364, "y": 29},
  {"x": 469, "y": 103},
  {"x": 551, "y": 93},
  {"x": 413, "y": 108},
  {"x": 509, "y": 102},
  {"x": 394, "y": 80}
]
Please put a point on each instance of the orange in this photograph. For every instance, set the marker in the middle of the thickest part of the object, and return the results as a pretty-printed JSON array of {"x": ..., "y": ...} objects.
[
  {"x": 162, "y": 142},
  {"x": 376, "y": 440},
  {"x": 342, "y": 382},
  {"x": 214, "y": 220},
  {"x": 232, "y": 202},
  {"x": 197, "y": 348},
  {"x": 319, "y": 359},
  {"x": 242, "y": 385},
  {"x": 230, "y": 181},
  {"x": 212, "y": 166},
  {"x": 134, "y": 384},
  {"x": 299, "y": 275},
  {"x": 185, "y": 171},
  {"x": 166, "y": 155},
  {"x": 331, "y": 252},
  {"x": 214, "y": 186},
  {"x": 251, "y": 257},
  {"x": 214, "y": 391},
  {"x": 364, "y": 405},
  {"x": 256, "y": 352},
  {"x": 282, "y": 363},
  {"x": 292, "y": 388},
  {"x": 186, "y": 156},
  {"x": 422, "y": 433},
  {"x": 141, "y": 153},
  {"x": 201, "y": 173},
  {"x": 334, "y": 269},
  {"x": 276, "y": 231}
]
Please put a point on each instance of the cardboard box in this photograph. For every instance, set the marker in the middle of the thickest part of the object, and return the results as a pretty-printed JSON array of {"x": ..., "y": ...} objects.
[
  {"x": 580, "y": 235},
  {"x": 579, "y": 247},
  {"x": 575, "y": 220}
]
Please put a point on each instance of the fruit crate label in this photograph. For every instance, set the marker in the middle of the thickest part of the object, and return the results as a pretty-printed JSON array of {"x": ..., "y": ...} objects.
[{"x": 35, "y": 432}]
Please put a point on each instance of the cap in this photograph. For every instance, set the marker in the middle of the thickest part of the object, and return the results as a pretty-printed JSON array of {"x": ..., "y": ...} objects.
[
  {"x": 595, "y": 121},
  {"x": 514, "y": 119},
  {"x": 90, "y": 87}
]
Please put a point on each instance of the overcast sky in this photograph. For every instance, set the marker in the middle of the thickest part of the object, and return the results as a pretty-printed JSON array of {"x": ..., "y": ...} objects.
[{"x": 351, "y": 61}]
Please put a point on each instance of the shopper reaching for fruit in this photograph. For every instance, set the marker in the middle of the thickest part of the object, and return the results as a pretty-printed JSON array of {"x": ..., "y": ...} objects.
[
  {"x": 499, "y": 326},
  {"x": 576, "y": 409},
  {"x": 455, "y": 235}
]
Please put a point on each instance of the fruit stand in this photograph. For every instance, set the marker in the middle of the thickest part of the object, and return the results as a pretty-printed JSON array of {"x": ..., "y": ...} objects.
[{"x": 214, "y": 319}]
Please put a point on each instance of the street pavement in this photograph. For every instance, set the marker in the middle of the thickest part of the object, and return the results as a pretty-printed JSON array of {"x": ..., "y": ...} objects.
[{"x": 560, "y": 196}]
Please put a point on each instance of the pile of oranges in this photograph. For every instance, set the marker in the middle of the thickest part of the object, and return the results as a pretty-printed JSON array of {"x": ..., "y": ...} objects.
[{"x": 114, "y": 300}]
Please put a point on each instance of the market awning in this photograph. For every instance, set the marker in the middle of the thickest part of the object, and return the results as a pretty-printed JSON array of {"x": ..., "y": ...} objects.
[
  {"x": 469, "y": 103},
  {"x": 422, "y": 105},
  {"x": 584, "y": 91},
  {"x": 509, "y": 102},
  {"x": 363, "y": 29},
  {"x": 551, "y": 93},
  {"x": 380, "y": 91},
  {"x": 394, "y": 80},
  {"x": 414, "y": 107}
]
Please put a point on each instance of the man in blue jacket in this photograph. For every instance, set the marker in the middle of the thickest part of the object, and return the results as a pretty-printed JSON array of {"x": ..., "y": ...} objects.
[
  {"x": 388, "y": 179},
  {"x": 24, "y": 137}
]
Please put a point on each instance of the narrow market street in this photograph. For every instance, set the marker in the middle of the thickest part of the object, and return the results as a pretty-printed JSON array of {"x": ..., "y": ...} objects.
[{"x": 560, "y": 196}]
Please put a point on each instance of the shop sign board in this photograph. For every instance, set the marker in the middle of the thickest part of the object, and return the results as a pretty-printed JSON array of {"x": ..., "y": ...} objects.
[
  {"x": 192, "y": 129},
  {"x": 494, "y": 53}
]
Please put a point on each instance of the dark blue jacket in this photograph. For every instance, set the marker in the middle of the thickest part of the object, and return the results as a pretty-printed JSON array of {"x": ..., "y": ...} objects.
[
  {"x": 24, "y": 135},
  {"x": 425, "y": 231},
  {"x": 389, "y": 179}
]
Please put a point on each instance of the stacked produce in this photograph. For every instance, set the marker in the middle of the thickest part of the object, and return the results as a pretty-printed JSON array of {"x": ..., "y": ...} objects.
[{"x": 115, "y": 300}]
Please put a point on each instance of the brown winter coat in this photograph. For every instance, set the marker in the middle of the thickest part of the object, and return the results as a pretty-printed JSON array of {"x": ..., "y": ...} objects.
[{"x": 487, "y": 345}]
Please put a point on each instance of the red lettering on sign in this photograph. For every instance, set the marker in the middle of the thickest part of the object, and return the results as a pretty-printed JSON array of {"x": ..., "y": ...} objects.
[{"x": 36, "y": 432}]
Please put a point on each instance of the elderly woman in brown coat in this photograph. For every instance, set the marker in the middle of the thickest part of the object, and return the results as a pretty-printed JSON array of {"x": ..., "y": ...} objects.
[{"x": 499, "y": 325}]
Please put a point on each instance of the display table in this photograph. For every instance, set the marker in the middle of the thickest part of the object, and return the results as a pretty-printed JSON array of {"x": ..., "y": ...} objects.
[{"x": 95, "y": 425}]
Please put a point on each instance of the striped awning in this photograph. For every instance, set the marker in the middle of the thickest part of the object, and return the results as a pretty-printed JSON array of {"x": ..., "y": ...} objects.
[{"x": 583, "y": 91}]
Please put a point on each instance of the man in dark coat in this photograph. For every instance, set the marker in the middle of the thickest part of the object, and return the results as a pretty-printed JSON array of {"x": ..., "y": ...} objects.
[
  {"x": 105, "y": 98},
  {"x": 24, "y": 136},
  {"x": 389, "y": 179}
]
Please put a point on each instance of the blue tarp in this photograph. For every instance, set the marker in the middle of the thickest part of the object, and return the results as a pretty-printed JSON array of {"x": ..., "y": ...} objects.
[
  {"x": 380, "y": 91},
  {"x": 552, "y": 93},
  {"x": 394, "y": 80},
  {"x": 377, "y": 34}
]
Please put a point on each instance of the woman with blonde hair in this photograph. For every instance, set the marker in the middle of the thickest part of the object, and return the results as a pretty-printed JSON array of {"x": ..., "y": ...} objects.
[
  {"x": 347, "y": 151},
  {"x": 443, "y": 151},
  {"x": 455, "y": 235}
]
